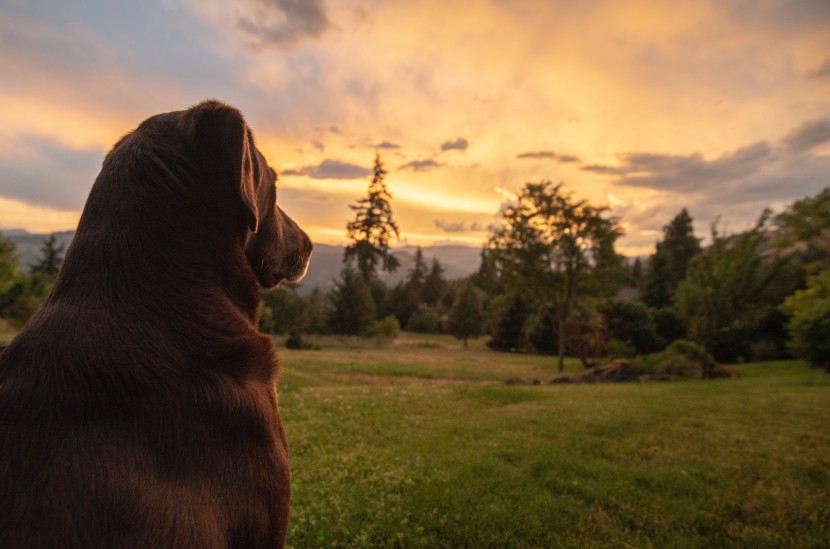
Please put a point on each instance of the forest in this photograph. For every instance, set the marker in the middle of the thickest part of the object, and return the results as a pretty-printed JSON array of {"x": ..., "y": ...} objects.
[{"x": 551, "y": 282}]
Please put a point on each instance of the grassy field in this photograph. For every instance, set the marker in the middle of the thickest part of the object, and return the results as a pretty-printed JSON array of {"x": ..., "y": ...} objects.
[{"x": 420, "y": 444}]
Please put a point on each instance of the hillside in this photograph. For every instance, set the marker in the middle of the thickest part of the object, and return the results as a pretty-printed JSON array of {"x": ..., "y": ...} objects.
[{"x": 326, "y": 263}]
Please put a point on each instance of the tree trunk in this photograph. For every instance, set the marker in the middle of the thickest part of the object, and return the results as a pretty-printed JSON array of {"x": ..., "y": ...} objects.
[{"x": 561, "y": 320}]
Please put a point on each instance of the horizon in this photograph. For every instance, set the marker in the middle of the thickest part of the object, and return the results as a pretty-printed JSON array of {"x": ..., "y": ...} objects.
[{"x": 719, "y": 107}]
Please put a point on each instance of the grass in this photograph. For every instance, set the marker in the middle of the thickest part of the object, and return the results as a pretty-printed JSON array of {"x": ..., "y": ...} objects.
[{"x": 420, "y": 444}]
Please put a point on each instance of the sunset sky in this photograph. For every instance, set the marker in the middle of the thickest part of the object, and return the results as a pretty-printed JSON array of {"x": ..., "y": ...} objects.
[{"x": 647, "y": 107}]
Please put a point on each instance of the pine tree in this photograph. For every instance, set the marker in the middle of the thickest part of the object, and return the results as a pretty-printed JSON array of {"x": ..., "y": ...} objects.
[
  {"x": 466, "y": 317},
  {"x": 353, "y": 307},
  {"x": 667, "y": 266},
  {"x": 434, "y": 284},
  {"x": 373, "y": 229},
  {"x": 51, "y": 259}
]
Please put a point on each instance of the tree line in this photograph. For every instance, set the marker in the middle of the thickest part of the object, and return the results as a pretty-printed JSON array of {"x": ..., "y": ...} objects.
[{"x": 550, "y": 281}]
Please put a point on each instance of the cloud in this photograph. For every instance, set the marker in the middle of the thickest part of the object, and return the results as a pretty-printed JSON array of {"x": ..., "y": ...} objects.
[
  {"x": 685, "y": 172},
  {"x": 565, "y": 158},
  {"x": 41, "y": 171},
  {"x": 458, "y": 227},
  {"x": 459, "y": 144},
  {"x": 387, "y": 145},
  {"x": 821, "y": 71},
  {"x": 331, "y": 169},
  {"x": 602, "y": 170},
  {"x": 283, "y": 23},
  {"x": 422, "y": 165},
  {"x": 807, "y": 136}
]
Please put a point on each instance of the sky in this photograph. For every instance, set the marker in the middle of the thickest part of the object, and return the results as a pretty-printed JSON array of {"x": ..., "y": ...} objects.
[{"x": 644, "y": 106}]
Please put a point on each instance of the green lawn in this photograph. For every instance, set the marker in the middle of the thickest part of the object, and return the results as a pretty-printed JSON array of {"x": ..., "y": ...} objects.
[{"x": 420, "y": 444}]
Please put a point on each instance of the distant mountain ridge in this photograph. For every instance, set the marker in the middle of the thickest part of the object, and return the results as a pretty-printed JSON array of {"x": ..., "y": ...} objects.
[{"x": 326, "y": 262}]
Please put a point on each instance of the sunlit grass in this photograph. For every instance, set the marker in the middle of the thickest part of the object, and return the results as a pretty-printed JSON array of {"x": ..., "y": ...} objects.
[{"x": 424, "y": 446}]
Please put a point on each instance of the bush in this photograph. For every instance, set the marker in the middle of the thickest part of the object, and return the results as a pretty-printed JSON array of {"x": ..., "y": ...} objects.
[
  {"x": 809, "y": 325},
  {"x": 425, "y": 320},
  {"x": 388, "y": 328},
  {"x": 296, "y": 341},
  {"x": 620, "y": 349},
  {"x": 682, "y": 359},
  {"x": 631, "y": 321}
]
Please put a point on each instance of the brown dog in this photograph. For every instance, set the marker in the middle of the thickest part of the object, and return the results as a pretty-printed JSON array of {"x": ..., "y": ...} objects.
[{"x": 138, "y": 407}]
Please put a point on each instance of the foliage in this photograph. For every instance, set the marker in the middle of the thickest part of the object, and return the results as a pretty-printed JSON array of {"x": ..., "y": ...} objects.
[
  {"x": 373, "y": 228},
  {"x": 434, "y": 284},
  {"x": 425, "y": 320},
  {"x": 681, "y": 359},
  {"x": 804, "y": 227},
  {"x": 353, "y": 309},
  {"x": 283, "y": 311},
  {"x": 466, "y": 318},
  {"x": 487, "y": 276},
  {"x": 809, "y": 324},
  {"x": 667, "y": 266},
  {"x": 51, "y": 260},
  {"x": 727, "y": 291},
  {"x": 507, "y": 316},
  {"x": 632, "y": 322},
  {"x": 386, "y": 328},
  {"x": 21, "y": 294},
  {"x": 548, "y": 246}
]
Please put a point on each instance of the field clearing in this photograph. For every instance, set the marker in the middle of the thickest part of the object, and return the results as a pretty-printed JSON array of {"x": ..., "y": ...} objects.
[{"x": 420, "y": 444}]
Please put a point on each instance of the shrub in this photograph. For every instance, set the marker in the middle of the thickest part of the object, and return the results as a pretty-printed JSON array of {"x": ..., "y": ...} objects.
[
  {"x": 682, "y": 359},
  {"x": 388, "y": 328},
  {"x": 425, "y": 320},
  {"x": 809, "y": 325}
]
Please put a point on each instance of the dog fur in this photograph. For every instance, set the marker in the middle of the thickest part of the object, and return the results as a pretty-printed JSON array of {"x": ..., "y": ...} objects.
[{"x": 138, "y": 407}]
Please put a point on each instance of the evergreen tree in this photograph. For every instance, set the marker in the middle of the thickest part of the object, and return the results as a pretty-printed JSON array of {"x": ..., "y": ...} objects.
[
  {"x": 487, "y": 276},
  {"x": 667, "y": 266},
  {"x": 51, "y": 258},
  {"x": 372, "y": 229},
  {"x": 10, "y": 275},
  {"x": 418, "y": 273},
  {"x": 353, "y": 308},
  {"x": 466, "y": 317},
  {"x": 434, "y": 284}
]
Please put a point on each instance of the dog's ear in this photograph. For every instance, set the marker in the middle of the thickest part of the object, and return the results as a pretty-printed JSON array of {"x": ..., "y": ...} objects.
[{"x": 223, "y": 138}]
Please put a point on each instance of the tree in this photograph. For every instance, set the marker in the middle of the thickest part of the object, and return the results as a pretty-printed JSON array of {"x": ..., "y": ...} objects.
[
  {"x": 487, "y": 276},
  {"x": 667, "y": 266},
  {"x": 507, "y": 318},
  {"x": 51, "y": 258},
  {"x": 353, "y": 307},
  {"x": 434, "y": 284},
  {"x": 805, "y": 228},
  {"x": 727, "y": 291},
  {"x": 373, "y": 228},
  {"x": 631, "y": 322},
  {"x": 548, "y": 246},
  {"x": 809, "y": 324},
  {"x": 418, "y": 273},
  {"x": 466, "y": 317}
]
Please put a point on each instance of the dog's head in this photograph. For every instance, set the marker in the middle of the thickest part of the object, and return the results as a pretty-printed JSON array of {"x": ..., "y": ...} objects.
[{"x": 275, "y": 246}]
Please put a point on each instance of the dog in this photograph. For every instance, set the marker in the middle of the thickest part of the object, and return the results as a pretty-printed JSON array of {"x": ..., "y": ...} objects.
[{"x": 138, "y": 407}]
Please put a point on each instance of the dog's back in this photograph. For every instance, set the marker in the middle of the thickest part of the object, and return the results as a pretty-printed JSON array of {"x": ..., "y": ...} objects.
[{"x": 138, "y": 407}]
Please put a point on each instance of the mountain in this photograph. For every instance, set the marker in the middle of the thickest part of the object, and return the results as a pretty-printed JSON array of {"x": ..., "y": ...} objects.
[
  {"x": 326, "y": 261},
  {"x": 28, "y": 244}
]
